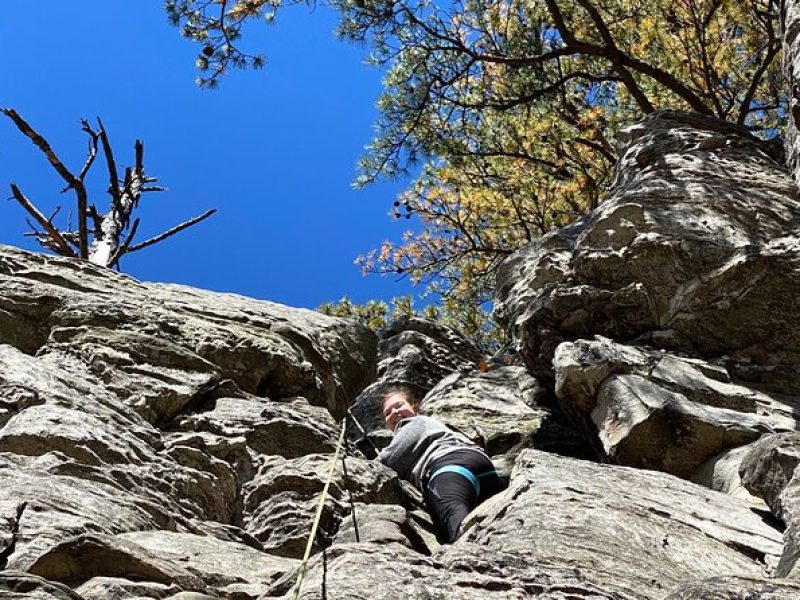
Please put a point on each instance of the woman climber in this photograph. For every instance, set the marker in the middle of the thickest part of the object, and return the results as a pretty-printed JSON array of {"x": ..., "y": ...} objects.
[{"x": 453, "y": 474}]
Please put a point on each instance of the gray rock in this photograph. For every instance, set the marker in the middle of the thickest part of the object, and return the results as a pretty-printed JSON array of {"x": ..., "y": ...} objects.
[
  {"x": 694, "y": 249},
  {"x": 770, "y": 466},
  {"x": 417, "y": 353},
  {"x": 655, "y": 410},
  {"x": 291, "y": 429},
  {"x": 148, "y": 340},
  {"x": 58, "y": 507},
  {"x": 158, "y": 441},
  {"x": 736, "y": 588},
  {"x": 88, "y": 556},
  {"x": 384, "y": 524},
  {"x": 623, "y": 530},
  {"x": 138, "y": 418},
  {"x": 281, "y": 500},
  {"x": 163, "y": 562},
  {"x": 231, "y": 450},
  {"x": 79, "y": 431},
  {"x": 789, "y": 565},
  {"x": 501, "y": 409},
  {"x": 156, "y": 376},
  {"x": 219, "y": 564},
  {"x": 790, "y": 17},
  {"x": 17, "y": 585},
  {"x": 564, "y": 529},
  {"x": 421, "y": 352},
  {"x": 770, "y": 471},
  {"x": 721, "y": 474},
  {"x": 243, "y": 591},
  {"x": 390, "y": 571},
  {"x": 118, "y": 588}
]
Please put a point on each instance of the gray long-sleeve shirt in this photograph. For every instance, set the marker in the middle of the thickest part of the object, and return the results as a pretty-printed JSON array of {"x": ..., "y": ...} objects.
[{"x": 417, "y": 442}]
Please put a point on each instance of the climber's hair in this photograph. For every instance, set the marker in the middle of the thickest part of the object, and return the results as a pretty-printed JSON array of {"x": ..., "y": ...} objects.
[{"x": 410, "y": 392}]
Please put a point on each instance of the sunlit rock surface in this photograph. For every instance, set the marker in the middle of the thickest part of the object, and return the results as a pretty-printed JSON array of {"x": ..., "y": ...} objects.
[
  {"x": 565, "y": 528},
  {"x": 655, "y": 410},
  {"x": 694, "y": 250},
  {"x": 158, "y": 441}
]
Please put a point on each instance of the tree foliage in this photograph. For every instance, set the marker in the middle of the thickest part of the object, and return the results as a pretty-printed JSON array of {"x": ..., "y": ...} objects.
[
  {"x": 507, "y": 111},
  {"x": 473, "y": 322},
  {"x": 374, "y": 314},
  {"x": 217, "y": 26},
  {"x": 515, "y": 106}
]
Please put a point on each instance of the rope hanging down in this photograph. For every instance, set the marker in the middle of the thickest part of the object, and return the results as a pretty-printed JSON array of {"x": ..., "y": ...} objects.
[
  {"x": 363, "y": 431},
  {"x": 318, "y": 516},
  {"x": 346, "y": 480}
]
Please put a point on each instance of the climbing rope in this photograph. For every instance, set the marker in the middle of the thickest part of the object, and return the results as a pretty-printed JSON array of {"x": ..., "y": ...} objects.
[
  {"x": 318, "y": 516},
  {"x": 346, "y": 480},
  {"x": 324, "y": 574},
  {"x": 312, "y": 536},
  {"x": 363, "y": 432}
]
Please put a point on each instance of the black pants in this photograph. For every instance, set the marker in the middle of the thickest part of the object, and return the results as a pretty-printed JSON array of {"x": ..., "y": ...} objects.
[{"x": 450, "y": 497}]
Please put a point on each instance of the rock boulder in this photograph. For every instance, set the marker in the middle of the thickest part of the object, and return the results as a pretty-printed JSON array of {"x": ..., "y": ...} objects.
[
  {"x": 695, "y": 250},
  {"x": 656, "y": 410}
]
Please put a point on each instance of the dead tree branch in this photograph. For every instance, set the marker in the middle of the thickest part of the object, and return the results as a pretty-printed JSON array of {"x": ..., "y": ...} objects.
[
  {"x": 105, "y": 247},
  {"x": 173, "y": 231},
  {"x": 58, "y": 242},
  {"x": 72, "y": 181}
]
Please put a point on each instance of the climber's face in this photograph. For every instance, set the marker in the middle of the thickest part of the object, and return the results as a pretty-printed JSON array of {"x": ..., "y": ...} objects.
[{"x": 396, "y": 408}]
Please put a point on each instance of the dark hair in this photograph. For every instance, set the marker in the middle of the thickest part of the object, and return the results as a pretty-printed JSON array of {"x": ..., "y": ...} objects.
[{"x": 410, "y": 392}]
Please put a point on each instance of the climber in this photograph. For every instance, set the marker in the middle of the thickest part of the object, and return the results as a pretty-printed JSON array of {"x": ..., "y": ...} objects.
[{"x": 453, "y": 474}]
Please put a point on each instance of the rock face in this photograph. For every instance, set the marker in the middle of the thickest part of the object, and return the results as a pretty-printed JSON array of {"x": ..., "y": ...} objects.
[
  {"x": 421, "y": 352},
  {"x": 418, "y": 354},
  {"x": 163, "y": 442},
  {"x": 769, "y": 470},
  {"x": 654, "y": 410},
  {"x": 504, "y": 410},
  {"x": 695, "y": 250},
  {"x": 662, "y": 318},
  {"x": 150, "y": 433},
  {"x": 735, "y": 588},
  {"x": 166, "y": 345},
  {"x": 770, "y": 466},
  {"x": 565, "y": 529},
  {"x": 790, "y": 20}
]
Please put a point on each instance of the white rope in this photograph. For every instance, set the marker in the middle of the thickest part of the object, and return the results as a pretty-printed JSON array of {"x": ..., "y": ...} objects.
[{"x": 318, "y": 516}]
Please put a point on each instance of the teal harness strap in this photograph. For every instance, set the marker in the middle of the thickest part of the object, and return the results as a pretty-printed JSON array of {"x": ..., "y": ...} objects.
[{"x": 464, "y": 472}]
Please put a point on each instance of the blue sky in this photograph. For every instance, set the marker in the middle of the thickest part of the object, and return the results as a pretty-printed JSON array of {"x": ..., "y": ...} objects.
[{"x": 273, "y": 150}]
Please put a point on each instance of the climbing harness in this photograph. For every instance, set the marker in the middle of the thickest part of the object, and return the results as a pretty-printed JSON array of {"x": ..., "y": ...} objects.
[
  {"x": 312, "y": 536},
  {"x": 464, "y": 472}
]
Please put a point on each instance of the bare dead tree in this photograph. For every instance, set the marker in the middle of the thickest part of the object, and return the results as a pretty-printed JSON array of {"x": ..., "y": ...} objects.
[{"x": 100, "y": 238}]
